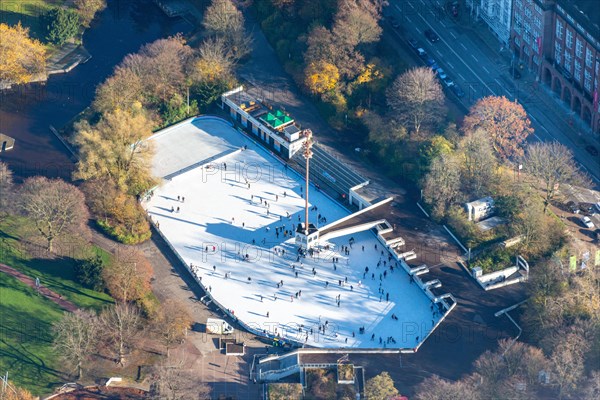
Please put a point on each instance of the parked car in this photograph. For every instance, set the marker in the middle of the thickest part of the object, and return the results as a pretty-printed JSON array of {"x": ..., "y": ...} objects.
[
  {"x": 431, "y": 36},
  {"x": 592, "y": 150},
  {"x": 429, "y": 61},
  {"x": 573, "y": 207},
  {"x": 448, "y": 82},
  {"x": 414, "y": 44},
  {"x": 588, "y": 208},
  {"x": 422, "y": 53},
  {"x": 597, "y": 205},
  {"x": 585, "y": 220},
  {"x": 441, "y": 74},
  {"x": 457, "y": 90}
]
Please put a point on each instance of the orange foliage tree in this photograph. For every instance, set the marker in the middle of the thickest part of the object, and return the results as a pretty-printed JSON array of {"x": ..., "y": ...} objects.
[
  {"x": 128, "y": 276},
  {"x": 21, "y": 58},
  {"x": 321, "y": 76},
  {"x": 505, "y": 121}
]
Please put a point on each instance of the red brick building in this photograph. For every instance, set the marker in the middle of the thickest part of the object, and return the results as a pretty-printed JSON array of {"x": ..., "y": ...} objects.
[{"x": 560, "y": 40}]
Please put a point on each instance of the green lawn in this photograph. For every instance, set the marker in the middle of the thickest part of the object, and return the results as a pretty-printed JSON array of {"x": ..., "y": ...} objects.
[
  {"x": 25, "y": 317},
  {"x": 28, "y": 12}
]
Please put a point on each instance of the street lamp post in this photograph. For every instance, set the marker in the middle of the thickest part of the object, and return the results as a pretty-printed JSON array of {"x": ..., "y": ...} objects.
[{"x": 307, "y": 153}]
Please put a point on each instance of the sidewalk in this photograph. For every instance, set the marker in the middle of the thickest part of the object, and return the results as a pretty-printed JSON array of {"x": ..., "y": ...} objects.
[{"x": 68, "y": 57}]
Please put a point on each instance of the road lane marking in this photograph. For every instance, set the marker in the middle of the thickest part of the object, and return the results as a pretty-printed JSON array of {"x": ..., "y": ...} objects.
[
  {"x": 464, "y": 47},
  {"x": 462, "y": 77},
  {"x": 442, "y": 23},
  {"x": 475, "y": 58},
  {"x": 485, "y": 69},
  {"x": 409, "y": 20},
  {"x": 450, "y": 65},
  {"x": 453, "y": 35}
]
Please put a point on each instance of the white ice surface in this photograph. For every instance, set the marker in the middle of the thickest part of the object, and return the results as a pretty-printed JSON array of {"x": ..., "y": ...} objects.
[{"x": 214, "y": 196}]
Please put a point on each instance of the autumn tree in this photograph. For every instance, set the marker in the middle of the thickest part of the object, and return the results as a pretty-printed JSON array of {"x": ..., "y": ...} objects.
[
  {"x": 120, "y": 91},
  {"x": 380, "y": 387},
  {"x": 325, "y": 45},
  {"x": 6, "y": 190},
  {"x": 214, "y": 63},
  {"x": 441, "y": 185},
  {"x": 128, "y": 220},
  {"x": 172, "y": 323},
  {"x": 120, "y": 326},
  {"x": 115, "y": 148},
  {"x": 87, "y": 9},
  {"x": 479, "y": 163},
  {"x": 551, "y": 164},
  {"x": 436, "y": 388},
  {"x": 506, "y": 123},
  {"x": 55, "y": 207},
  {"x": 165, "y": 64},
  {"x": 321, "y": 76},
  {"x": 173, "y": 380},
  {"x": 357, "y": 22},
  {"x": 22, "y": 58},
  {"x": 128, "y": 276},
  {"x": 416, "y": 98},
  {"x": 75, "y": 338},
  {"x": 100, "y": 194}
]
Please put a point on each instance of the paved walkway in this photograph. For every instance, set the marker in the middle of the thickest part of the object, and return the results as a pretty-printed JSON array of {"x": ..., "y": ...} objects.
[{"x": 29, "y": 281}]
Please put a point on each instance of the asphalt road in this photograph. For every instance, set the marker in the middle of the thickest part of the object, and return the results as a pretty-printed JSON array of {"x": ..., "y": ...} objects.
[{"x": 481, "y": 72}]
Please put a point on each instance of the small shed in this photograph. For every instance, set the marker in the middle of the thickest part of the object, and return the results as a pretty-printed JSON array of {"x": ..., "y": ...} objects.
[
  {"x": 6, "y": 142},
  {"x": 480, "y": 209}
]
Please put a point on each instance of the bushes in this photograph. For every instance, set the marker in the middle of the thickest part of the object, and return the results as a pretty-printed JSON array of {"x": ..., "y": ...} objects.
[{"x": 496, "y": 260}]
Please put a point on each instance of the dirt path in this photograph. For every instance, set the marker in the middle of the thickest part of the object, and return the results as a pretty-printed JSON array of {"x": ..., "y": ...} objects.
[{"x": 52, "y": 296}]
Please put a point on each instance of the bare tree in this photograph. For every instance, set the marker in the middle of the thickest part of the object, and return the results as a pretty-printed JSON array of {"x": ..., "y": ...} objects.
[
  {"x": 172, "y": 323},
  {"x": 442, "y": 183},
  {"x": 505, "y": 121},
  {"x": 100, "y": 195},
  {"x": 417, "y": 99},
  {"x": 568, "y": 361},
  {"x": 551, "y": 164},
  {"x": 172, "y": 380},
  {"x": 128, "y": 276},
  {"x": 55, "y": 207},
  {"x": 222, "y": 17},
  {"x": 120, "y": 326},
  {"x": 75, "y": 338},
  {"x": 436, "y": 388},
  {"x": 357, "y": 23}
]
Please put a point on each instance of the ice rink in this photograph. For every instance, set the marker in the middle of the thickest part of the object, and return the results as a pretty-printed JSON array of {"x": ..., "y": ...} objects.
[{"x": 228, "y": 219}]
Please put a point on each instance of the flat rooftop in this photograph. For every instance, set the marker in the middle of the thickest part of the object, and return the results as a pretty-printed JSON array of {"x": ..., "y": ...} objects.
[{"x": 242, "y": 203}]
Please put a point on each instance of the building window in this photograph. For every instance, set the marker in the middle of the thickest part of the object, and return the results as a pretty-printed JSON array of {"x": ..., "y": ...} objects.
[
  {"x": 519, "y": 3},
  {"x": 578, "y": 48},
  {"x": 569, "y": 39},
  {"x": 537, "y": 21},
  {"x": 559, "y": 30},
  {"x": 527, "y": 13},
  {"x": 587, "y": 81},
  {"x": 517, "y": 41},
  {"x": 557, "y": 52},
  {"x": 577, "y": 70},
  {"x": 568, "y": 61},
  {"x": 589, "y": 61},
  {"x": 527, "y": 27}
]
